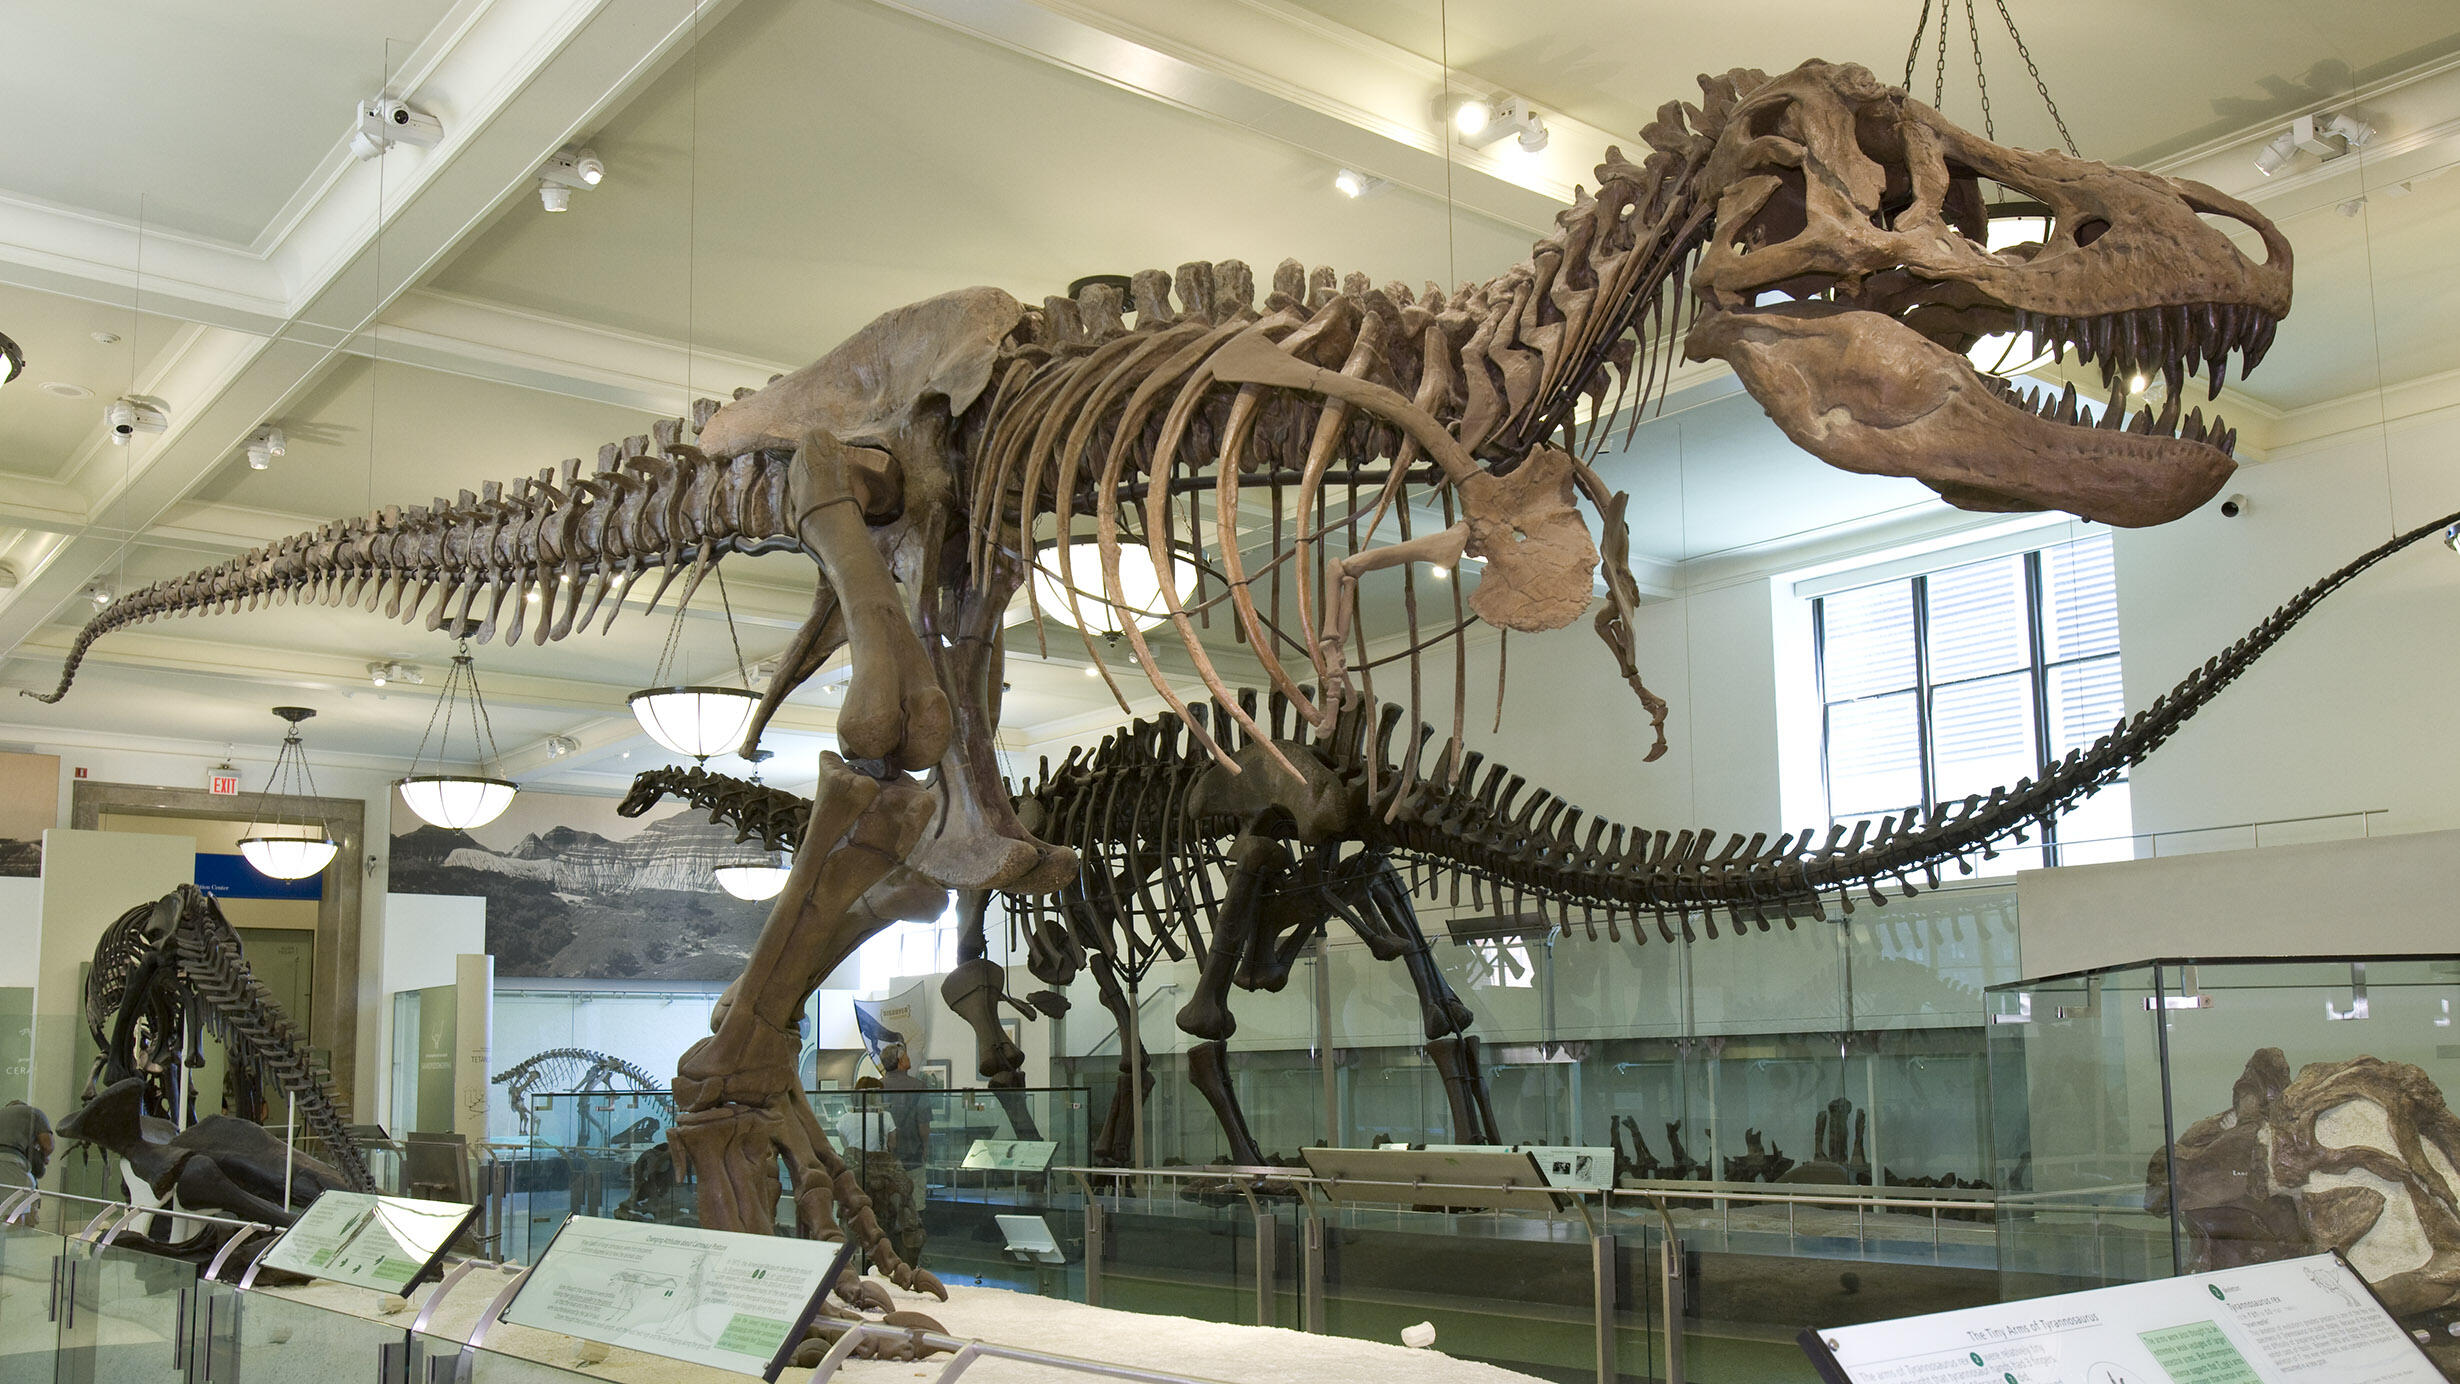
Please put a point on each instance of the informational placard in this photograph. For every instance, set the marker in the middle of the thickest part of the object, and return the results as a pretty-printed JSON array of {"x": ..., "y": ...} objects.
[
  {"x": 712, "y": 1297},
  {"x": 2300, "y": 1321},
  {"x": 1573, "y": 1167},
  {"x": 1010, "y": 1155},
  {"x": 384, "y": 1243}
]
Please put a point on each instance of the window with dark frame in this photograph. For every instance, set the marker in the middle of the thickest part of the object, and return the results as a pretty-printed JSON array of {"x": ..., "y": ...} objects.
[{"x": 1955, "y": 682}]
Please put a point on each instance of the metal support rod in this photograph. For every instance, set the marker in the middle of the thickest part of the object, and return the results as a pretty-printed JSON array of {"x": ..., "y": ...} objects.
[
  {"x": 1333, "y": 1133},
  {"x": 1602, "y": 1292},
  {"x": 1670, "y": 1277},
  {"x": 1134, "y": 1042},
  {"x": 290, "y": 1146},
  {"x": 1093, "y": 1249},
  {"x": 435, "y": 1299},
  {"x": 1268, "y": 1231},
  {"x": 1311, "y": 1258},
  {"x": 238, "y": 1237}
]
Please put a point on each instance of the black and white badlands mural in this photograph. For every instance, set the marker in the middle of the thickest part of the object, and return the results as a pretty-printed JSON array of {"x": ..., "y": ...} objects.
[{"x": 574, "y": 890}]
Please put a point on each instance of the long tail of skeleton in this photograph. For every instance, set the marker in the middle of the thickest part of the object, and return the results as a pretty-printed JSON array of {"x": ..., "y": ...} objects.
[
  {"x": 1532, "y": 849},
  {"x": 545, "y": 554}
]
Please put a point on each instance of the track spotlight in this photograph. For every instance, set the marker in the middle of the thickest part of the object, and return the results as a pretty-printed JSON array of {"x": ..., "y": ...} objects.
[
  {"x": 388, "y": 671},
  {"x": 1351, "y": 183},
  {"x": 568, "y": 170},
  {"x": 385, "y": 121},
  {"x": 560, "y": 745},
  {"x": 1479, "y": 123},
  {"x": 99, "y": 595},
  {"x": 2280, "y": 151},
  {"x": 129, "y": 415},
  {"x": 264, "y": 445},
  {"x": 2327, "y": 137}
]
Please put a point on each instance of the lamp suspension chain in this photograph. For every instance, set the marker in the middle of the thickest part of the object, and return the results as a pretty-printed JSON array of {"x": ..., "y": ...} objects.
[{"x": 1981, "y": 78}]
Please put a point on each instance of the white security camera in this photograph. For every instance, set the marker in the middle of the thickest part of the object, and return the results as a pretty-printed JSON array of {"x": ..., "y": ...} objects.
[
  {"x": 385, "y": 121},
  {"x": 2233, "y": 506}
]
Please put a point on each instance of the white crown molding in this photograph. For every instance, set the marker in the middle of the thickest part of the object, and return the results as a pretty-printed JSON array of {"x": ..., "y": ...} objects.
[
  {"x": 1282, "y": 72},
  {"x": 521, "y": 77},
  {"x": 2415, "y": 110},
  {"x": 468, "y": 336}
]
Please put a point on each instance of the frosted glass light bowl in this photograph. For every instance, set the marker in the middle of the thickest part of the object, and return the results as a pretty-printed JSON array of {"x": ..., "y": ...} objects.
[
  {"x": 458, "y": 801},
  {"x": 695, "y": 721}
]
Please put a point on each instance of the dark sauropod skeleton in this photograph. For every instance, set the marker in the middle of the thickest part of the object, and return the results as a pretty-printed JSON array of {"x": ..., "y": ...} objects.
[
  {"x": 922, "y": 463},
  {"x": 169, "y": 973},
  {"x": 1242, "y": 871}
]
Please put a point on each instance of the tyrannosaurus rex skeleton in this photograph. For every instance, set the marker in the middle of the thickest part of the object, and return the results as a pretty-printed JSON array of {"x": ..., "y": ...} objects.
[{"x": 924, "y": 463}]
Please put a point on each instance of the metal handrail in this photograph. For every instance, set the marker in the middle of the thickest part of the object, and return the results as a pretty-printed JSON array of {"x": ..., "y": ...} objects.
[
  {"x": 168, "y": 1212},
  {"x": 1872, "y": 1198}
]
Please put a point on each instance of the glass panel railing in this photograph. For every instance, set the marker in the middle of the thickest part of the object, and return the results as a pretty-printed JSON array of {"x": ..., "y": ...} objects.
[
  {"x": 30, "y": 1257},
  {"x": 266, "y": 1336},
  {"x": 944, "y": 1168},
  {"x": 128, "y": 1318}
]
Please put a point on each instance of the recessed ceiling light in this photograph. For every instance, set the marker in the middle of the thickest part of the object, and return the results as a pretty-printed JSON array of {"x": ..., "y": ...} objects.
[
  {"x": 62, "y": 389},
  {"x": 106, "y": 338}
]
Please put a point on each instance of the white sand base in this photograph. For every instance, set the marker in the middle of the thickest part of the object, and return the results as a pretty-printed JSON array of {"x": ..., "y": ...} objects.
[
  {"x": 1178, "y": 1345},
  {"x": 1210, "y": 1351}
]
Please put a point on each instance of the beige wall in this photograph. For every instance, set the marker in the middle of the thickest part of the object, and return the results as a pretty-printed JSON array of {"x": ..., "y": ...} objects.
[
  {"x": 222, "y": 838},
  {"x": 2388, "y": 895}
]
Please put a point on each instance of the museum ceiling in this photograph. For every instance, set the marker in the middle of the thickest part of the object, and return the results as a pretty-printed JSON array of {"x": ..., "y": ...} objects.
[{"x": 181, "y": 218}]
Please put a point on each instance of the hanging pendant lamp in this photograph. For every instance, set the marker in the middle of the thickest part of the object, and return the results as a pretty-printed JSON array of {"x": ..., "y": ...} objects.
[
  {"x": 1139, "y": 582},
  {"x": 12, "y": 360},
  {"x": 762, "y": 876},
  {"x": 458, "y": 801},
  {"x": 277, "y": 848},
  {"x": 696, "y": 721}
]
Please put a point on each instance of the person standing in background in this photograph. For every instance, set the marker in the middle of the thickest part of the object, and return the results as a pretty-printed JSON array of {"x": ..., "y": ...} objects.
[
  {"x": 26, "y": 1142},
  {"x": 911, "y": 1112},
  {"x": 910, "y": 1105},
  {"x": 868, "y": 1135}
]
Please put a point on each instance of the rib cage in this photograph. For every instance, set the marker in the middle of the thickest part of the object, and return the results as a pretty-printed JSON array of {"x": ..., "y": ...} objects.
[{"x": 1504, "y": 362}]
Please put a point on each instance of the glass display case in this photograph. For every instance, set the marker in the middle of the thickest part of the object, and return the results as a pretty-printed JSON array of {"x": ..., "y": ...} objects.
[
  {"x": 2174, "y": 1116},
  {"x": 603, "y": 1153},
  {"x": 1853, "y": 1044}
]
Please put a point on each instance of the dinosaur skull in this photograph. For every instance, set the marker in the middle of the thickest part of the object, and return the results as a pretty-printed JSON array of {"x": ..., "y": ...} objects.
[{"x": 1846, "y": 275}]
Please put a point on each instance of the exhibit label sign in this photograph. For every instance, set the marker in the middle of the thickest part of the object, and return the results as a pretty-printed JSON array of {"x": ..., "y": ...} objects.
[
  {"x": 1573, "y": 1167},
  {"x": 1010, "y": 1155},
  {"x": 384, "y": 1243},
  {"x": 712, "y": 1297},
  {"x": 2301, "y": 1321}
]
